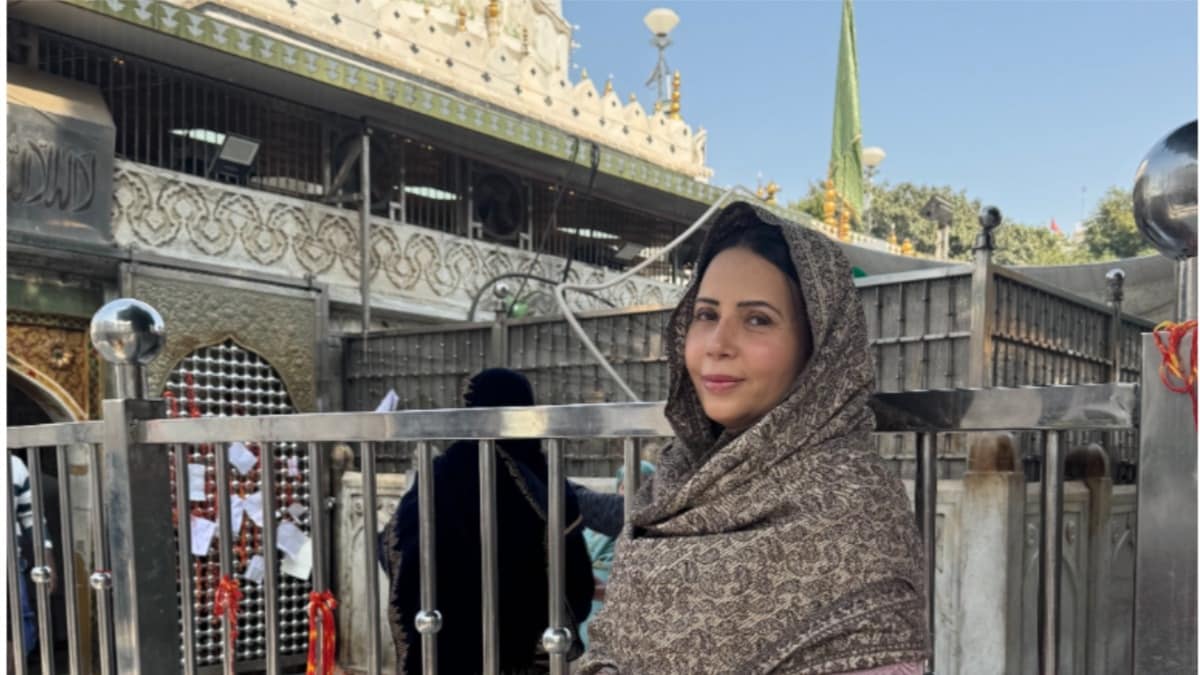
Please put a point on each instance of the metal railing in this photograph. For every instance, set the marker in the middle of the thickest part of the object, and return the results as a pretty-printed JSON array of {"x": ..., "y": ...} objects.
[{"x": 130, "y": 515}]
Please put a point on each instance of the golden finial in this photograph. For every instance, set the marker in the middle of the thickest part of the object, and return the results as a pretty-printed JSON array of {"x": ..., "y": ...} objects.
[
  {"x": 760, "y": 193},
  {"x": 583, "y": 75},
  {"x": 844, "y": 224},
  {"x": 830, "y": 206},
  {"x": 658, "y": 106},
  {"x": 632, "y": 97},
  {"x": 608, "y": 87},
  {"x": 906, "y": 248},
  {"x": 462, "y": 19},
  {"x": 493, "y": 9},
  {"x": 674, "y": 114},
  {"x": 772, "y": 189}
]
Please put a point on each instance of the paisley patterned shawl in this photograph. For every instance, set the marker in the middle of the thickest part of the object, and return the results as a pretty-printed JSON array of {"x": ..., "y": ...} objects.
[{"x": 788, "y": 548}]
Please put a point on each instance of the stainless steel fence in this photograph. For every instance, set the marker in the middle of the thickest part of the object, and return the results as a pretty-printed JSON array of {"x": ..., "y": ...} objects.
[
  {"x": 132, "y": 504},
  {"x": 920, "y": 325}
]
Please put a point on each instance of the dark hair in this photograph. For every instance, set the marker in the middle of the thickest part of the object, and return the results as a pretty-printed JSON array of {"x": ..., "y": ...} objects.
[{"x": 764, "y": 240}]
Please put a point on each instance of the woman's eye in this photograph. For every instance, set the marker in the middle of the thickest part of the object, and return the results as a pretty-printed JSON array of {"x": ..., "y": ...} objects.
[
  {"x": 705, "y": 315},
  {"x": 759, "y": 320}
]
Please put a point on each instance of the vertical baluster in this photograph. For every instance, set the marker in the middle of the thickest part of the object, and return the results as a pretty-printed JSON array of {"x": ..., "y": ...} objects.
[
  {"x": 225, "y": 546},
  {"x": 370, "y": 533},
  {"x": 317, "y": 520},
  {"x": 489, "y": 574},
  {"x": 429, "y": 620},
  {"x": 557, "y": 638},
  {"x": 1050, "y": 559},
  {"x": 74, "y": 658},
  {"x": 266, "y": 464},
  {"x": 633, "y": 475},
  {"x": 101, "y": 578},
  {"x": 926, "y": 508},
  {"x": 184, "y": 538},
  {"x": 41, "y": 572},
  {"x": 15, "y": 622}
]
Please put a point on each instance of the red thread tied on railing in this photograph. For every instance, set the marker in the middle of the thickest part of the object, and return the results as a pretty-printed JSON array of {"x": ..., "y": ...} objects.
[
  {"x": 1175, "y": 377},
  {"x": 322, "y": 633}
]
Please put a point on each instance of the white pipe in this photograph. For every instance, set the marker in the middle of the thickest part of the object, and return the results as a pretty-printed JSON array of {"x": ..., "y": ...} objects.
[{"x": 560, "y": 295}]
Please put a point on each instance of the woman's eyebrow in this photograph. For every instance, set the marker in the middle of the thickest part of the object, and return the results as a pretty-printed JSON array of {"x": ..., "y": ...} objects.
[
  {"x": 759, "y": 303},
  {"x": 708, "y": 301}
]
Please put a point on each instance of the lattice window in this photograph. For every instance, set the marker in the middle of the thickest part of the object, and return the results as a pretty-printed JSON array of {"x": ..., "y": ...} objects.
[{"x": 227, "y": 380}]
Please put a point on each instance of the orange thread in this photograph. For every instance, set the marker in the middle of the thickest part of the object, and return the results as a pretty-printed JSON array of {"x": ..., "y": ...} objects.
[
  {"x": 226, "y": 602},
  {"x": 1171, "y": 371},
  {"x": 322, "y": 633}
]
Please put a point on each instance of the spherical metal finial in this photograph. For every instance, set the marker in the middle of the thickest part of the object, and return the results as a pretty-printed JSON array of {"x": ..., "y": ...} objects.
[
  {"x": 128, "y": 331},
  {"x": 557, "y": 640},
  {"x": 40, "y": 574},
  {"x": 501, "y": 290},
  {"x": 990, "y": 218},
  {"x": 428, "y": 622},
  {"x": 1164, "y": 194},
  {"x": 1116, "y": 283},
  {"x": 100, "y": 581}
]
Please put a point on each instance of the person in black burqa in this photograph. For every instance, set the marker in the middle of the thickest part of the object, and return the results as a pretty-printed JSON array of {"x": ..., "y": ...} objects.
[{"x": 521, "y": 498}]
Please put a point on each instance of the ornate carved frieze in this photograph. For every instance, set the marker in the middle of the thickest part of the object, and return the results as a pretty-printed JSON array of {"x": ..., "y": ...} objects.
[
  {"x": 177, "y": 215},
  {"x": 53, "y": 352},
  {"x": 281, "y": 329}
]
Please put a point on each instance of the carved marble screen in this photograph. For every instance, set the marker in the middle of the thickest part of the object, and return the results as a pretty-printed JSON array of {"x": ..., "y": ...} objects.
[{"x": 226, "y": 379}]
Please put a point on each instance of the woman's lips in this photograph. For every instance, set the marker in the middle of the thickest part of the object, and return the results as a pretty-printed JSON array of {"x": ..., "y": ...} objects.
[{"x": 718, "y": 384}]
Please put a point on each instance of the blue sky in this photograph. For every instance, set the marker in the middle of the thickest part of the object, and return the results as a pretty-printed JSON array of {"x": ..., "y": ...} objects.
[{"x": 1022, "y": 104}]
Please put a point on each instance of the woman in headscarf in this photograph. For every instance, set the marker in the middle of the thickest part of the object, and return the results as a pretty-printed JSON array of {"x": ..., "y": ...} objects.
[
  {"x": 600, "y": 548},
  {"x": 521, "y": 498},
  {"x": 772, "y": 538}
]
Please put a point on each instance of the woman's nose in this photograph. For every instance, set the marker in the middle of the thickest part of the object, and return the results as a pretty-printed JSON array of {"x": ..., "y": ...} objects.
[{"x": 721, "y": 340}]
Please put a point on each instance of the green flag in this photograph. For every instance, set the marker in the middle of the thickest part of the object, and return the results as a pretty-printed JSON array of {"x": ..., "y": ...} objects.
[{"x": 845, "y": 161}]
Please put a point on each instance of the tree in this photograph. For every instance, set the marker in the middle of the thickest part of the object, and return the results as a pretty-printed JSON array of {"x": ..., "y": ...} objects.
[
  {"x": 1110, "y": 232},
  {"x": 1018, "y": 244},
  {"x": 899, "y": 206}
]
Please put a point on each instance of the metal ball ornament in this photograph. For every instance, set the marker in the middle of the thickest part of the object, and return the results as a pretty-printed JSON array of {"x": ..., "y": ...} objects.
[{"x": 1164, "y": 194}]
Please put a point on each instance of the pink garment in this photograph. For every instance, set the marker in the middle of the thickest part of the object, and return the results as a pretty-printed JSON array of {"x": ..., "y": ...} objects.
[{"x": 897, "y": 669}]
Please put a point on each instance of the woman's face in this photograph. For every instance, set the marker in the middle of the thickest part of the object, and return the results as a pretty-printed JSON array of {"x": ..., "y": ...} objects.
[{"x": 748, "y": 339}]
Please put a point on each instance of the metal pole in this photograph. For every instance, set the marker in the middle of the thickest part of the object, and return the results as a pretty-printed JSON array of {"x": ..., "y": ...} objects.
[
  {"x": 1165, "y": 590},
  {"x": 429, "y": 620},
  {"x": 225, "y": 548},
  {"x": 1180, "y": 290},
  {"x": 633, "y": 475},
  {"x": 41, "y": 573},
  {"x": 370, "y": 535},
  {"x": 364, "y": 232},
  {"x": 983, "y": 301},
  {"x": 67, "y": 546},
  {"x": 136, "y": 495},
  {"x": 184, "y": 531},
  {"x": 489, "y": 574},
  {"x": 1050, "y": 558},
  {"x": 1116, "y": 293},
  {"x": 557, "y": 638},
  {"x": 926, "y": 508},
  {"x": 101, "y": 578},
  {"x": 266, "y": 464},
  {"x": 1185, "y": 280},
  {"x": 15, "y": 620}
]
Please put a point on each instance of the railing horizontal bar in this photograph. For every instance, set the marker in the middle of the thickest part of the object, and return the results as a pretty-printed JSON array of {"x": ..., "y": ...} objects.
[
  {"x": 1107, "y": 406},
  {"x": 46, "y": 435},
  {"x": 1089, "y": 406},
  {"x": 571, "y": 421}
]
